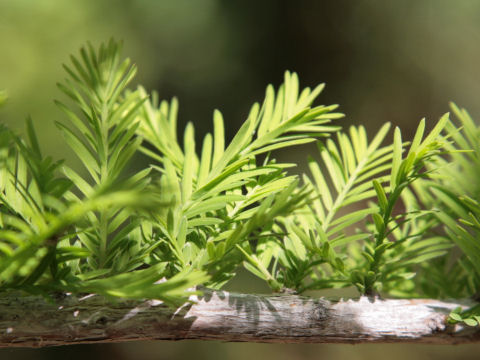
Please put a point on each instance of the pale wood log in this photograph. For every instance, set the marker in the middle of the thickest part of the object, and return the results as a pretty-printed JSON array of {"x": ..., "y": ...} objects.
[{"x": 32, "y": 322}]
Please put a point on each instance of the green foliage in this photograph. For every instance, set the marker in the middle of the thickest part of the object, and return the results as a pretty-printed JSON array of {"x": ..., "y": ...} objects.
[
  {"x": 384, "y": 258},
  {"x": 470, "y": 317},
  {"x": 455, "y": 191},
  {"x": 61, "y": 231},
  {"x": 399, "y": 219},
  {"x": 331, "y": 244},
  {"x": 226, "y": 197},
  {"x": 458, "y": 190}
]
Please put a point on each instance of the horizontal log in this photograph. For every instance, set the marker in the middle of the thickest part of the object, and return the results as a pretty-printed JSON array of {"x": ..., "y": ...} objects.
[{"x": 33, "y": 322}]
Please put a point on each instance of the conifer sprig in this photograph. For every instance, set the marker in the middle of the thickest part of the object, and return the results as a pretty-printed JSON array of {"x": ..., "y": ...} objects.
[
  {"x": 224, "y": 196},
  {"x": 379, "y": 217}
]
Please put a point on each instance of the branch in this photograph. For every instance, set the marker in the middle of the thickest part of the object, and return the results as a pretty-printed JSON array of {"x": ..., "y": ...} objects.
[{"x": 33, "y": 322}]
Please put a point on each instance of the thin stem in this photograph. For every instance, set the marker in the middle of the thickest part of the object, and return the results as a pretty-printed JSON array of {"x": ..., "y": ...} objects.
[{"x": 104, "y": 176}]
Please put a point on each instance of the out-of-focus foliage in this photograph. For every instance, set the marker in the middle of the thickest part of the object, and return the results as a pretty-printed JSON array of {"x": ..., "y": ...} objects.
[{"x": 3, "y": 98}]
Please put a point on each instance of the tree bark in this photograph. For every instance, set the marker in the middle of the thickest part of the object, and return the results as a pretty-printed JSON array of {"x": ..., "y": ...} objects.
[{"x": 33, "y": 322}]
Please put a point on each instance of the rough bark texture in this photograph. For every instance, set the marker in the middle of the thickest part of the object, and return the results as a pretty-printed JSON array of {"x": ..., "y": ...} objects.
[{"x": 32, "y": 322}]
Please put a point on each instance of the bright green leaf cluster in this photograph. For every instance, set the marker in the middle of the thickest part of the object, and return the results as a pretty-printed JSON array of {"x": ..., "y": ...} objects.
[
  {"x": 470, "y": 317},
  {"x": 380, "y": 218},
  {"x": 227, "y": 196}
]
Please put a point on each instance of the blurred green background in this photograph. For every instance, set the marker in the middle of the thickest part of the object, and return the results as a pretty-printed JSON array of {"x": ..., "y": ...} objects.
[{"x": 382, "y": 61}]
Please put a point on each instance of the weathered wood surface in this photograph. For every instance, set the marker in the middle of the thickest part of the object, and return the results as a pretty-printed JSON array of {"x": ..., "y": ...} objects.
[{"x": 32, "y": 322}]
